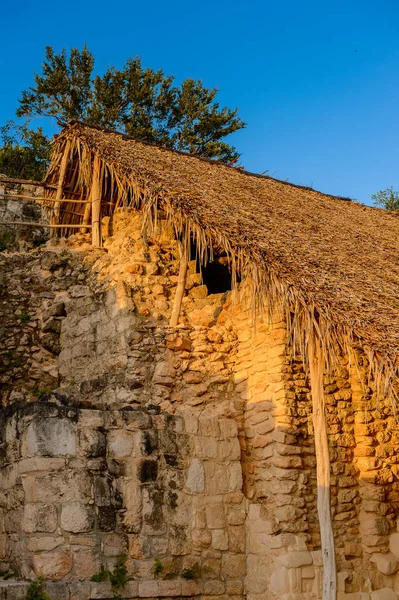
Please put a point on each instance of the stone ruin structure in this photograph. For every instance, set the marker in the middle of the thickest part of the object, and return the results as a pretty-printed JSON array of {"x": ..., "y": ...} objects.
[{"x": 187, "y": 450}]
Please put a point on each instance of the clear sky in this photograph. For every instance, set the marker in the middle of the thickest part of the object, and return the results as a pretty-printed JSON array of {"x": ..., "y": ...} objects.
[{"x": 316, "y": 81}]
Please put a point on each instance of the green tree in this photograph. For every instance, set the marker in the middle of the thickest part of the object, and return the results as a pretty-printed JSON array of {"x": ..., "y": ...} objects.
[
  {"x": 388, "y": 199},
  {"x": 24, "y": 153},
  {"x": 141, "y": 102}
]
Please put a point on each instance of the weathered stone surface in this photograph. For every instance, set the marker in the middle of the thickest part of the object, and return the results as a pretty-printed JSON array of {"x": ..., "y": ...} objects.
[
  {"x": 394, "y": 544},
  {"x": 39, "y": 518},
  {"x": 195, "y": 477},
  {"x": 294, "y": 560},
  {"x": 52, "y": 565},
  {"x": 384, "y": 594},
  {"x": 120, "y": 443},
  {"x": 385, "y": 563},
  {"x": 51, "y": 437},
  {"x": 77, "y": 517}
]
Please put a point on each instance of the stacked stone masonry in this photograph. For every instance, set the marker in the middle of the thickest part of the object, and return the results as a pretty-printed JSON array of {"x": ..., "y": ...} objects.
[
  {"x": 13, "y": 208},
  {"x": 187, "y": 447}
]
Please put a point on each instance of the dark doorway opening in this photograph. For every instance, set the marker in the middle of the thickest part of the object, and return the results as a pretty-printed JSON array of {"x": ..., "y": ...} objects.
[{"x": 216, "y": 274}]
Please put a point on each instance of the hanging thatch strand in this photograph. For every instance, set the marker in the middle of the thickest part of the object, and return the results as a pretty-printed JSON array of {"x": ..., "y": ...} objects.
[{"x": 330, "y": 264}]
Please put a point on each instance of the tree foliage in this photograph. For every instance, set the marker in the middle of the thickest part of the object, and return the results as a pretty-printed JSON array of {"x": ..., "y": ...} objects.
[
  {"x": 388, "y": 199},
  {"x": 24, "y": 153},
  {"x": 141, "y": 102}
]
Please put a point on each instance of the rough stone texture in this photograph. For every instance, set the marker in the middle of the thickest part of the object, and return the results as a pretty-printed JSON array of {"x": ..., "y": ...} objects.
[
  {"x": 21, "y": 237},
  {"x": 190, "y": 445}
]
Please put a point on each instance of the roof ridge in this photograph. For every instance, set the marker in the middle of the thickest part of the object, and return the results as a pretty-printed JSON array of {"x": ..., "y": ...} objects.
[{"x": 243, "y": 171}]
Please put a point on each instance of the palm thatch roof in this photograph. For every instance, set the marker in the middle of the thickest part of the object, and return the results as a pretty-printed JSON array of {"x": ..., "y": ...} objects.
[{"x": 333, "y": 264}]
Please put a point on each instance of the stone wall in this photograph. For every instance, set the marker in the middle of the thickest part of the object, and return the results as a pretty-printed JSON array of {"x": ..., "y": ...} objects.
[
  {"x": 189, "y": 446},
  {"x": 21, "y": 237},
  {"x": 81, "y": 487}
]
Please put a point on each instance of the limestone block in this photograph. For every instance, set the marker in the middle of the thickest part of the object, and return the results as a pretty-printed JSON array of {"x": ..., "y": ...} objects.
[
  {"x": 206, "y": 447},
  {"x": 215, "y": 516},
  {"x": 86, "y": 563},
  {"x": 40, "y": 518},
  {"x": 352, "y": 549},
  {"x": 373, "y": 525},
  {"x": 178, "y": 343},
  {"x": 213, "y": 587},
  {"x": 201, "y": 538},
  {"x": 394, "y": 544},
  {"x": 234, "y": 565},
  {"x": 193, "y": 377},
  {"x": 148, "y": 589},
  {"x": 58, "y": 590},
  {"x": 51, "y": 437},
  {"x": 71, "y": 486},
  {"x": 200, "y": 292},
  {"x": 170, "y": 588},
  {"x": 52, "y": 565},
  {"x": 91, "y": 418},
  {"x": 228, "y": 428},
  {"x": 384, "y": 594},
  {"x": 3, "y": 545},
  {"x": 236, "y": 537},
  {"x": 38, "y": 463},
  {"x": 101, "y": 591},
  {"x": 308, "y": 572},
  {"x": 195, "y": 477},
  {"x": 79, "y": 590},
  {"x": 114, "y": 544},
  {"x": 220, "y": 540},
  {"x": 120, "y": 443},
  {"x": 44, "y": 544},
  {"x": 385, "y": 563},
  {"x": 163, "y": 370},
  {"x": 77, "y": 517},
  {"x": 209, "y": 426},
  {"x": 236, "y": 515},
  {"x": 293, "y": 560},
  {"x": 13, "y": 520},
  {"x": 190, "y": 588},
  {"x": 92, "y": 442},
  {"x": 13, "y": 590},
  {"x": 131, "y": 589},
  {"x": 235, "y": 477}
]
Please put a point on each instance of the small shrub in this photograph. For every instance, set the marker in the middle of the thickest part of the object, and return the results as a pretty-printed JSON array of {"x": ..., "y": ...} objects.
[
  {"x": 158, "y": 568},
  {"x": 36, "y": 590},
  {"x": 102, "y": 575},
  {"x": 6, "y": 240},
  {"x": 193, "y": 572},
  {"x": 24, "y": 317},
  {"x": 118, "y": 577},
  {"x": 41, "y": 393}
]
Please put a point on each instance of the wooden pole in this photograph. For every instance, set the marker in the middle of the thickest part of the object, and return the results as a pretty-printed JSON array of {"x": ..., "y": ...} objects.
[
  {"x": 181, "y": 284},
  {"x": 95, "y": 195},
  {"x": 316, "y": 367},
  {"x": 61, "y": 181},
  {"x": 42, "y": 198},
  {"x": 52, "y": 226},
  {"x": 86, "y": 216}
]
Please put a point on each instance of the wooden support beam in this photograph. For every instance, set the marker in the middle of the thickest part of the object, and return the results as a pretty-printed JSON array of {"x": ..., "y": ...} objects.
[
  {"x": 95, "y": 196},
  {"x": 86, "y": 216},
  {"x": 316, "y": 368},
  {"x": 50, "y": 226},
  {"x": 42, "y": 198},
  {"x": 61, "y": 181},
  {"x": 181, "y": 284}
]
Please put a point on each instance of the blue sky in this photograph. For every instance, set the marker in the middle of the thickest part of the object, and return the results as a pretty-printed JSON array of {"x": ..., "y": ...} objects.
[{"x": 317, "y": 82}]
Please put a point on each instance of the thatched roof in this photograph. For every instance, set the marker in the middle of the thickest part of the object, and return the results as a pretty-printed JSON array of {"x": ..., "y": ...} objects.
[{"x": 319, "y": 252}]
